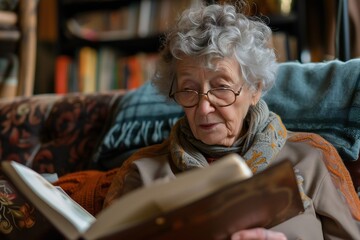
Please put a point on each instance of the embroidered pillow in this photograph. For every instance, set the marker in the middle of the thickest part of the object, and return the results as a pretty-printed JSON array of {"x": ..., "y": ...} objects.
[{"x": 143, "y": 118}]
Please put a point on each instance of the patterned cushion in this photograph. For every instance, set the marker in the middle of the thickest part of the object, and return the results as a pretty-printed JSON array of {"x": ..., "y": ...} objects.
[
  {"x": 54, "y": 134},
  {"x": 22, "y": 123},
  {"x": 143, "y": 118},
  {"x": 73, "y": 130}
]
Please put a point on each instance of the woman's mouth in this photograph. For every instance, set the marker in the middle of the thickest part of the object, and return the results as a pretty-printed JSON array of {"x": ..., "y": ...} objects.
[{"x": 207, "y": 126}]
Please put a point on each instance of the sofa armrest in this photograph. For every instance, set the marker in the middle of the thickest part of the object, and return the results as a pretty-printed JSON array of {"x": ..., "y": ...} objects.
[{"x": 55, "y": 134}]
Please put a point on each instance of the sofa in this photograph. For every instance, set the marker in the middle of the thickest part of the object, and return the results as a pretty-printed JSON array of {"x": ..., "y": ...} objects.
[{"x": 69, "y": 133}]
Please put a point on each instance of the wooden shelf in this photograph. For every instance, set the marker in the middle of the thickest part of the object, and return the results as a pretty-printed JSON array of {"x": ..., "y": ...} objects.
[
  {"x": 128, "y": 46},
  {"x": 283, "y": 23},
  {"x": 71, "y": 7}
]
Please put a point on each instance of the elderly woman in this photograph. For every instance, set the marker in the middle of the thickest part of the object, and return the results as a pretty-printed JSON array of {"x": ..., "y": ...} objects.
[{"x": 216, "y": 63}]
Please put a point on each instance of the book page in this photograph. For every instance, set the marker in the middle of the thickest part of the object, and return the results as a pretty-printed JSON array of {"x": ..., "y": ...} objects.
[{"x": 54, "y": 198}]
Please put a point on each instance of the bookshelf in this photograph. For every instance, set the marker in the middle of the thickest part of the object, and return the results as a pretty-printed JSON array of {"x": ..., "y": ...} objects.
[
  {"x": 72, "y": 35},
  {"x": 287, "y": 19},
  {"x": 129, "y": 33},
  {"x": 292, "y": 24},
  {"x": 18, "y": 23}
]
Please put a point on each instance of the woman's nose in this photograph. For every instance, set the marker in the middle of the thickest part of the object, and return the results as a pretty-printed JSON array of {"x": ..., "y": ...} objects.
[{"x": 205, "y": 106}]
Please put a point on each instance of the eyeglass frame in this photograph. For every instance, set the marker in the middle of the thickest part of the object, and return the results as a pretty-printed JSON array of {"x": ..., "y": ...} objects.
[{"x": 236, "y": 94}]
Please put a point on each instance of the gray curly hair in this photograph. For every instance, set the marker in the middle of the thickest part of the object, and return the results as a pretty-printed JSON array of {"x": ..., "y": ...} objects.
[{"x": 218, "y": 31}]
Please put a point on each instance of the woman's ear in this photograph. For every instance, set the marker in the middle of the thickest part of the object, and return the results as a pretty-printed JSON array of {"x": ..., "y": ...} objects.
[{"x": 256, "y": 94}]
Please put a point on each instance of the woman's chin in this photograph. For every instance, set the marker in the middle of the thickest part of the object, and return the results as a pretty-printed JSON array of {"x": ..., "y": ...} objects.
[
  {"x": 213, "y": 141},
  {"x": 214, "y": 136},
  {"x": 218, "y": 135}
]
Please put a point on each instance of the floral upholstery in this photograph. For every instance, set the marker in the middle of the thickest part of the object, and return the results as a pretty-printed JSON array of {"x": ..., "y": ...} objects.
[
  {"x": 17, "y": 214},
  {"x": 54, "y": 134}
]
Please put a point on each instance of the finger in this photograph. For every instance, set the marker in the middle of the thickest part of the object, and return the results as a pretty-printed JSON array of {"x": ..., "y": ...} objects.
[
  {"x": 271, "y": 235},
  {"x": 258, "y": 234}
]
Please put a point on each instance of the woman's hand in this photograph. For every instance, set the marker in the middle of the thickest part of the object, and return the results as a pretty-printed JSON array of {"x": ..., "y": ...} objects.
[{"x": 258, "y": 234}]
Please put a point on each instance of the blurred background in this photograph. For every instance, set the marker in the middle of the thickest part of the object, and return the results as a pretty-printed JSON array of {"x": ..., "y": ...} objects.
[{"x": 100, "y": 45}]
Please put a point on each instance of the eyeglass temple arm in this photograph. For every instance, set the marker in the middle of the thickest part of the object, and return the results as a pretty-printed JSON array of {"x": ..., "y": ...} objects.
[{"x": 171, "y": 87}]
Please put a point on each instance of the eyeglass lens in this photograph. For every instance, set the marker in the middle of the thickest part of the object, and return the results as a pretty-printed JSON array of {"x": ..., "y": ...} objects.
[{"x": 218, "y": 97}]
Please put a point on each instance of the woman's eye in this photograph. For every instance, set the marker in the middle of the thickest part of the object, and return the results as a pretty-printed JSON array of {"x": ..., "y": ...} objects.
[
  {"x": 223, "y": 86},
  {"x": 188, "y": 85},
  {"x": 187, "y": 88}
]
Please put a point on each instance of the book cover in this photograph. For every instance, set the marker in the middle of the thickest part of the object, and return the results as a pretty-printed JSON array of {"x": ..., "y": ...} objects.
[
  {"x": 8, "y": 18},
  {"x": 87, "y": 69},
  {"x": 145, "y": 17},
  {"x": 62, "y": 74},
  {"x": 135, "y": 77},
  {"x": 73, "y": 79},
  {"x": 120, "y": 73},
  {"x": 106, "y": 66},
  {"x": 105, "y": 25},
  {"x": 9, "y": 35}
]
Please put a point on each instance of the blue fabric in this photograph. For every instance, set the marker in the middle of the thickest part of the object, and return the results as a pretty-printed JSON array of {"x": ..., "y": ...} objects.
[
  {"x": 323, "y": 98},
  {"x": 144, "y": 117}
]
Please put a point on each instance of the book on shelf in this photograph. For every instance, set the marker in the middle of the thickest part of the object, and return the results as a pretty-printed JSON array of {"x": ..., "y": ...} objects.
[
  {"x": 102, "y": 69},
  {"x": 62, "y": 74},
  {"x": 146, "y": 12},
  {"x": 87, "y": 67},
  {"x": 165, "y": 12},
  {"x": 8, "y": 18},
  {"x": 138, "y": 69},
  {"x": 285, "y": 46},
  {"x": 138, "y": 19},
  {"x": 73, "y": 81},
  {"x": 105, "y": 70},
  {"x": 120, "y": 73},
  {"x": 198, "y": 204},
  {"x": 105, "y": 25},
  {"x": 135, "y": 77},
  {"x": 9, "y": 34}
]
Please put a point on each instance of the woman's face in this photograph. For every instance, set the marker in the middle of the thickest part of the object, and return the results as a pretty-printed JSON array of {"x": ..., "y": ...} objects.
[{"x": 210, "y": 124}]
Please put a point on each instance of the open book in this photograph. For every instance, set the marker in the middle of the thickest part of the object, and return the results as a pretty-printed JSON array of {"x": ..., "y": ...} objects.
[{"x": 205, "y": 203}]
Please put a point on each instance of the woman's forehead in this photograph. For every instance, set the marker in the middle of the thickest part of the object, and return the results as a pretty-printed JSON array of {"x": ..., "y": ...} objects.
[{"x": 216, "y": 64}]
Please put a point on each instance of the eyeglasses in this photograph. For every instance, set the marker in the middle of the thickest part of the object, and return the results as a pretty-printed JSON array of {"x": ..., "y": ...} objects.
[{"x": 220, "y": 97}]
